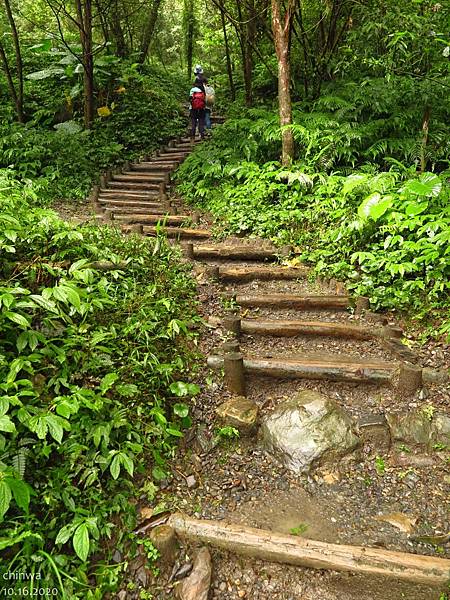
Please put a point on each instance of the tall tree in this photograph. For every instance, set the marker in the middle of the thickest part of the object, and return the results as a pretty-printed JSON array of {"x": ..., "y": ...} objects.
[
  {"x": 16, "y": 90},
  {"x": 149, "y": 29},
  {"x": 189, "y": 33},
  {"x": 282, "y": 29}
]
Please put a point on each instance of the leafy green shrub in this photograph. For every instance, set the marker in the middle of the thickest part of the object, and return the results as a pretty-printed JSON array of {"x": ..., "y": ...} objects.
[{"x": 88, "y": 369}]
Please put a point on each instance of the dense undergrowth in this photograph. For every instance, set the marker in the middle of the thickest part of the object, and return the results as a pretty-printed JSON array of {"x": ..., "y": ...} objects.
[
  {"x": 140, "y": 109},
  {"x": 89, "y": 392},
  {"x": 354, "y": 202}
]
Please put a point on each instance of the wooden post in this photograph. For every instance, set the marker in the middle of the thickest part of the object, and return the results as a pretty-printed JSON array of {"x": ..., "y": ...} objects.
[
  {"x": 162, "y": 192},
  {"x": 173, "y": 209},
  {"x": 109, "y": 215},
  {"x": 228, "y": 347},
  {"x": 126, "y": 166},
  {"x": 103, "y": 180},
  {"x": 286, "y": 250},
  {"x": 188, "y": 250},
  {"x": 164, "y": 539},
  {"x": 232, "y": 325},
  {"x": 171, "y": 144},
  {"x": 410, "y": 378},
  {"x": 362, "y": 304},
  {"x": 196, "y": 217},
  {"x": 233, "y": 364},
  {"x": 109, "y": 175}
]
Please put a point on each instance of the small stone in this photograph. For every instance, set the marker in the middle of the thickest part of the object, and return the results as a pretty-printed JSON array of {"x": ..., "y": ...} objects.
[
  {"x": 239, "y": 412},
  {"x": 222, "y": 586},
  {"x": 242, "y": 593},
  {"x": 122, "y": 595},
  {"x": 117, "y": 557},
  {"x": 191, "y": 481}
]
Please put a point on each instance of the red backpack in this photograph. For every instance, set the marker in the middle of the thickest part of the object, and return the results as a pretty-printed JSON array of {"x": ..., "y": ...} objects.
[{"x": 198, "y": 101}]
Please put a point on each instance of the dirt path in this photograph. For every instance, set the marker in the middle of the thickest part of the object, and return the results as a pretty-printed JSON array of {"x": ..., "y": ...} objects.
[{"x": 339, "y": 501}]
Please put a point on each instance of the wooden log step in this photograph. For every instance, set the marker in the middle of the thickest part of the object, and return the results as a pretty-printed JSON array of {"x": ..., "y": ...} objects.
[
  {"x": 125, "y": 193},
  {"x": 294, "y": 550},
  {"x": 154, "y": 218},
  {"x": 132, "y": 186},
  {"x": 151, "y": 167},
  {"x": 132, "y": 210},
  {"x": 294, "y": 301},
  {"x": 141, "y": 177},
  {"x": 234, "y": 253},
  {"x": 293, "y": 328},
  {"x": 186, "y": 150},
  {"x": 180, "y": 156},
  {"x": 241, "y": 274},
  {"x": 128, "y": 203},
  {"x": 331, "y": 368},
  {"x": 178, "y": 232}
]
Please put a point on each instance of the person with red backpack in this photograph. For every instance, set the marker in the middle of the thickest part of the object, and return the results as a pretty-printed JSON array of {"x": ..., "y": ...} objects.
[{"x": 197, "y": 97}]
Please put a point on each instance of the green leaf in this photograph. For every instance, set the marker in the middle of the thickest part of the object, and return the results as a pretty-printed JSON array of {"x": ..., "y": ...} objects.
[
  {"x": 174, "y": 432},
  {"x": 428, "y": 184},
  {"x": 64, "y": 534},
  {"x": 6, "y": 424},
  {"x": 81, "y": 541},
  {"x": 180, "y": 388},
  {"x": 181, "y": 410},
  {"x": 21, "y": 492},
  {"x": 374, "y": 206},
  {"x": 4, "y": 406},
  {"x": 127, "y": 463},
  {"x": 45, "y": 73},
  {"x": 17, "y": 318},
  {"x": 127, "y": 389},
  {"x": 5, "y": 497},
  {"x": 12, "y": 541},
  {"x": 114, "y": 467},
  {"x": 108, "y": 381}
]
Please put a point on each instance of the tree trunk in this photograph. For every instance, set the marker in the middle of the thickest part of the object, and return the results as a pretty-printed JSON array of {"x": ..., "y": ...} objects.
[
  {"x": 281, "y": 34},
  {"x": 117, "y": 31},
  {"x": 228, "y": 58},
  {"x": 425, "y": 128},
  {"x": 18, "y": 93},
  {"x": 189, "y": 22},
  {"x": 149, "y": 29},
  {"x": 84, "y": 14}
]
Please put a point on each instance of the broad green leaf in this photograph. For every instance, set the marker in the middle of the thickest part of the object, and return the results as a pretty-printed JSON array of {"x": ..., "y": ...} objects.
[
  {"x": 180, "y": 388},
  {"x": 17, "y": 318},
  {"x": 45, "y": 73},
  {"x": 64, "y": 534},
  {"x": 127, "y": 389},
  {"x": 181, "y": 410},
  {"x": 428, "y": 184},
  {"x": 127, "y": 463},
  {"x": 374, "y": 206},
  {"x": 114, "y": 467},
  {"x": 4, "y": 406},
  {"x": 174, "y": 432},
  {"x": 21, "y": 492},
  {"x": 5, "y": 497},
  {"x": 81, "y": 541},
  {"x": 6, "y": 424}
]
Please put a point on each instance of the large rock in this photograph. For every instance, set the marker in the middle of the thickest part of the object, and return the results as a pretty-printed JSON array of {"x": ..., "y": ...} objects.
[
  {"x": 308, "y": 429},
  {"x": 196, "y": 586},
  {"x": 420, "y": 427}
]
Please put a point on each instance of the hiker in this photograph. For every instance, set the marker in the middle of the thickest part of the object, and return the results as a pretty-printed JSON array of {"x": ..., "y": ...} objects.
[
  {"x": 210, "y": 98},
  {"x": 198, "y": 73},
  {"x": 197, "y": 97}
]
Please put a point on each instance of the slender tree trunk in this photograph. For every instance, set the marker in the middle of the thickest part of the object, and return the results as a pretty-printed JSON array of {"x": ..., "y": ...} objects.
[
  {"x": 228, "y": 58},
  {"x": 425, "y": 128},
  {"x": 149, "y": 29},
  {"x": 281, "y": 34},
  {"x": 18, "y": 96},
  {"x": 9, "y": 79},
  {"x": 84, "y": 14},
  {"x": 117, "y": 31},
  {"x": 189, "y": 21},
  {"x": 247, "y": 55}
]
